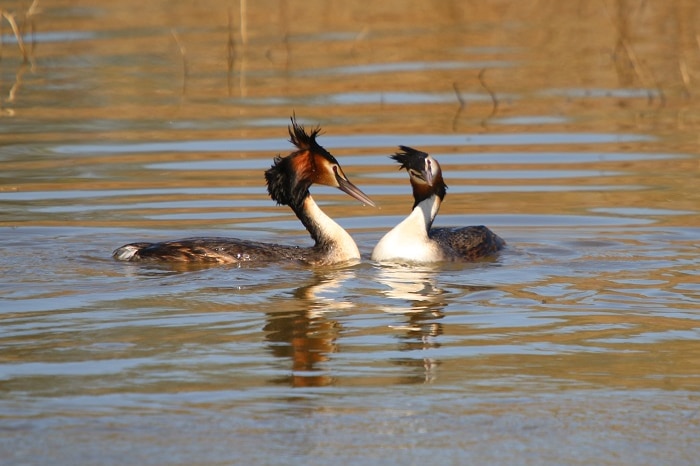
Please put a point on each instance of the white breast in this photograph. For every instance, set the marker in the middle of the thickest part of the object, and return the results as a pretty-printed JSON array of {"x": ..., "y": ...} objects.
[{"x": 409, "y": 241}]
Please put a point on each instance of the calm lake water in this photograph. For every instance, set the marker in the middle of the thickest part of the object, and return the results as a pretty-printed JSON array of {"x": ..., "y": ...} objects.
[{"x": 573, "y": 134}]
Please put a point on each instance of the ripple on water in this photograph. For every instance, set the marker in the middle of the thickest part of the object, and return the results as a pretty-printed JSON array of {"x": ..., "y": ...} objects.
[{"x": 364, "y": 141}]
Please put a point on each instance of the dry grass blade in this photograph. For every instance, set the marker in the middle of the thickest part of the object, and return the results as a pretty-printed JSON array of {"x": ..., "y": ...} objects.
[
  {"x": 183, "y": 55},
  {"x": 494, "y": 100},
  {"x": 10, "y": 18}
]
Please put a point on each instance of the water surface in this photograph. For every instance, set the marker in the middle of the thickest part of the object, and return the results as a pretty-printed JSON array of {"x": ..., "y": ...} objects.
[{"x": 572, "y": 134}]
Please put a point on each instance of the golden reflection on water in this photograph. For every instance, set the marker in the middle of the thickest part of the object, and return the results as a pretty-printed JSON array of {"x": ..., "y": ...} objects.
[{"x": 308, "y": 335}]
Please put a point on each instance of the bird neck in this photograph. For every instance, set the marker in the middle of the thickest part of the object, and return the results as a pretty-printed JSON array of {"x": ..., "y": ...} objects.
[
  {"x": 330, "y": 238},
  {"x": 418, "y": 223},
  {"x": 426, "y": 211}
]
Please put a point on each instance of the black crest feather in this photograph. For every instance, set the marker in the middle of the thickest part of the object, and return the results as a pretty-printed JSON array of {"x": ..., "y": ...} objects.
[
  {"x": 410, "y": 158},
  {"x": 300, "y": 138}
]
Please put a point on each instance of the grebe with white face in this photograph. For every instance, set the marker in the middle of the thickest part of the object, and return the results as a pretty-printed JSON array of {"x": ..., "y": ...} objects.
[
  {"x": 414, "y": 239},
  {"x": 288, "y": 182}
]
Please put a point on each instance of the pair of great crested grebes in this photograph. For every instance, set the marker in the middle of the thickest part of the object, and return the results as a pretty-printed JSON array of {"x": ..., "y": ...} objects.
[{"x": 288, "y": 182}]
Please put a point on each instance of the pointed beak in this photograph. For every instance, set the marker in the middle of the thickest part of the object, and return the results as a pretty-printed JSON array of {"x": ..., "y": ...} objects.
[{"x": 347, "y": 187}]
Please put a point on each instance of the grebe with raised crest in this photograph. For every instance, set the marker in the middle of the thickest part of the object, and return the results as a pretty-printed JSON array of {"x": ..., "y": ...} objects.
[
  {"x": 414, "y": 239},
  {"x": 288, "y": 182}
]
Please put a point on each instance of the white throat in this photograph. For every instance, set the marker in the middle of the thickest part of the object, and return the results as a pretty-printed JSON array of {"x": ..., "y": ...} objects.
[
  {"x": 342, "y": 246},
  {"x": 409, "y": 241}
]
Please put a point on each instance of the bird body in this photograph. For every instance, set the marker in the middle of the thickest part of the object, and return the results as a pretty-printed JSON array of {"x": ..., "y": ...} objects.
[
  {"x": 414, "y": 239},
  {"x": 288, "y": 183}
]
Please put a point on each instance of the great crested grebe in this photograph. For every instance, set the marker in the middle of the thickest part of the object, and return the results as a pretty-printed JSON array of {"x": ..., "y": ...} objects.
[
  {"x": 413, "y": 239},
  {"x": 288, "y": 182}
]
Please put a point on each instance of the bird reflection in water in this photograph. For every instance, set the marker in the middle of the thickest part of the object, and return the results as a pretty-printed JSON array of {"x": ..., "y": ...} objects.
[
  {"x": 422, "y": 304},
  {"x": 306, "y": 335}
]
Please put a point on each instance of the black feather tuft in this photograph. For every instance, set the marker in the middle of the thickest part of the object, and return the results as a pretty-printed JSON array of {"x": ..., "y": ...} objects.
[
  {"x": 410, "y": 158},
  {"x": 300, "y": 138},
  {"x": 282, "y": 183}
]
